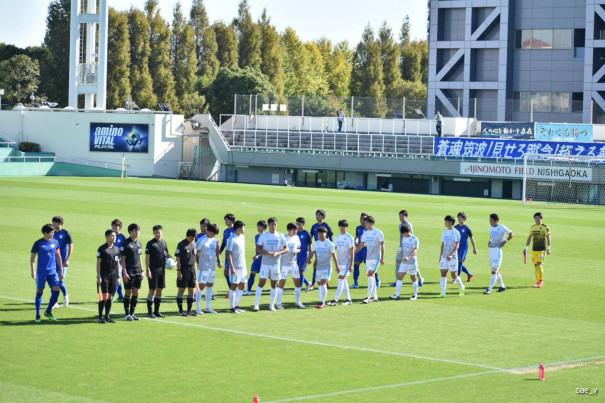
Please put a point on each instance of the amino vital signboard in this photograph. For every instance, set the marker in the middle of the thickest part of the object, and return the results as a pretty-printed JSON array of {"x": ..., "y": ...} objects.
[{"x": 119, "y": 137}]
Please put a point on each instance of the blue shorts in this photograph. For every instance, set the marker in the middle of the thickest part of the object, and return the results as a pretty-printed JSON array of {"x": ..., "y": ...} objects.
[
  {"x": 301, "y": 260},
  {"x": 360, "y": 257},
  {"x": 43, "y": 278},
  {"x": 256, "y": 265},
  {"x": 462, "y": 253}
]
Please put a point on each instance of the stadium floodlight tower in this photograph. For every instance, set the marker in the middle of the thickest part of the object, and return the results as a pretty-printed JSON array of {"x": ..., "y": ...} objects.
[{"x": 88, "y": 65}]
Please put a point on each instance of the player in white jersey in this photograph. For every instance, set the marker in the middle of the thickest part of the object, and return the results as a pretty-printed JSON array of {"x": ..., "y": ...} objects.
[
  {"x": 208, "y": 255},
  {"x": 271, "y": 245},
  {"x": 289, "y": 266},
  {"x": 409, "y": 263},
  {"x": 448, "y": 258},
  {"x": 345, "y": 245},
  {"x": 499, "y": 235},
  {"x": 238, "y": 273},
  {"x": 403, "y": 221},
  {"x": 373, "y": 240},
  {"x": 323, "y": 249}
]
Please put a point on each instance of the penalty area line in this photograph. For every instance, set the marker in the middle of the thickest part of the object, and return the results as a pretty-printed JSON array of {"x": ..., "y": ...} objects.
[{"x": 310, "y": 342}]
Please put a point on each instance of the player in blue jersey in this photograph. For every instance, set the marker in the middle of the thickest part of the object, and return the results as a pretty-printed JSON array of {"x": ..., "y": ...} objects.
[
  {"x": 66, "y": 247},
  {"x": 301, "y": 257},
  {"x": 229, "y": 220},
  {"x": 465, "y": 235},
  {"x": 49, "y": 270},
  {"x": 261, "y": 227},
  {"x": 360, "y": 257},
  {"x": 320, "y": 215},
  {"x": 116, "y": 226}
]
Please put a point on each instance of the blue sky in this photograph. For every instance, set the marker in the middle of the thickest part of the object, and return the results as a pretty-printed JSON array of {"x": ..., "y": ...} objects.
[{"x": 23, "y": 22}]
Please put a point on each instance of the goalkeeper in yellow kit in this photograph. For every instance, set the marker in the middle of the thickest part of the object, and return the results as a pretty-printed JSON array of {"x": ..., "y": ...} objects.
[{"x": 541, "y": 247}]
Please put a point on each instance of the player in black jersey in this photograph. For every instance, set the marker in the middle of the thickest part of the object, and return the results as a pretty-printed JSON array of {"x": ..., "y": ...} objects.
[
  {"x": 156, "y": 253},
  {"x": 132, "y": 267},
  {"x": 185, "y": 262},
  {"x": 108, "y": 263}
]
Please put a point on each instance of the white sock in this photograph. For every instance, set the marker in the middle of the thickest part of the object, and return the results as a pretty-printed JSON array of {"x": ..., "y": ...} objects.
[
  {"x": 459, "y": 282},
  {"x": 198, "y": 300},
  {"x": 209, "y": 291},
  {"x": 500, "y": 281},
  {"x": 338, "y": 289},
  {"x": 346, "y": 289},
  {"x": 232, "y": 298},
  {"x": 371, "y": 285},
  {"x": 297, "y": 291},
  {"x": 398, "y": 286},
  {"x": 238, "y": 296},
  {"x": 273, "y": 296},
  {"x": 419, "y": 275},
  {"x": 324, "y": 293},
  {"x": 259, "y": 293},
  {"x": 415, "y": 285},
  {"x": 279, "y": 291},
  {"x": 443, "y": 284},
  {"x": 492, "y": 282}
]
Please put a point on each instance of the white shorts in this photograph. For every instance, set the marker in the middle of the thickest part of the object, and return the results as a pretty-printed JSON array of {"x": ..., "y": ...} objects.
[
  {"x": 240, "y": 276},
  {"x": 410, "y": 269},
  {"x": 451, "y": 265},
  {"x": 343, "y": 270},
  {"x": 206, "y": 276},
  {"x": 271, "y": 272},
  {"x": 495, "y": 258},
  {"x": 372, "y": 265},
  {"x": 291, "y": 270},
  {"x": 399, "y": 256},
  {"x": 323, "y": 275}
]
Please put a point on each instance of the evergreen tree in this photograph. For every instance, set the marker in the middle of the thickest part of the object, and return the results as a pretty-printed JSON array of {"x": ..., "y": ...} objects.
[
  {"x": 390, "y": 55},
  {"x": 184, "y": 59},
  {"x": 140, "y": 78},
  {"x": 208, "y": 69},
  {"x": 367, "y": 76},
  {"x": 296, "y": 64},
  {"x": 249, "y": 37},
  {"x": 226, "y": 39},
  {"x": 56, "y": 40},
  {"x": 411, "y": 62},
  {"x": 317, "y": 83},
  {"x": 160, "y": 65},
  {"x": 404, "y": 35},
  {"x": 339, "y": 69},
  {"x": 118, "y": 59},
  {"x": 271, "y": 54},
  {"x": 20, "y": 76}
]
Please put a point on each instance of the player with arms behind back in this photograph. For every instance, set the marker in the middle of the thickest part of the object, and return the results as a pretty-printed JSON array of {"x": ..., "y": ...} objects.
[
  {"x": 541, "y": 247},
  {"x": 156, "y": 252},
  {"x": 185, "y": 254},
  {"x": 323, "y": 249},
  {"x": 132, "y": 270},
  {"x": 345, "y": 245},
  {"x": 289, "y": 266},
  {"x": 409, "y": 263},
  {"x": 108, "y": 264},
  {"x": 208, "y": 255},
  {"x": 497, "y": 239}
]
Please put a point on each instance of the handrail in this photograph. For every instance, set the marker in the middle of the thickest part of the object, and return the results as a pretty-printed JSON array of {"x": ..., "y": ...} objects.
[{"x": 92, "y": 163}]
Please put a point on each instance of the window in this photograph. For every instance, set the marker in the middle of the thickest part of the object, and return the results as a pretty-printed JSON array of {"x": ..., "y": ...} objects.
[
  {"x": 542, "y": 102},
  {"x": 543, "y": 39}
]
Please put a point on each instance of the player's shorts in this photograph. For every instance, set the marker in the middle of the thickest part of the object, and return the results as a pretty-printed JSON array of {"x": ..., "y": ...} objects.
[
  {"x": 256, "y": 264},
  {"x": 240, "y": 276},
  {"x": 108, "y": 283},
  {"x": 495, "y": 257},
  {"x": 462, "y": 253},
  {"x": 322, "y": 275},
  {"x": 269, "y": 272},
  {"x": 301, "y": 260},
  {"x": 360, "y": 257},
  {"x": 291, "y": 270},
  {"x": 411, "y": 269},
  {"x": 343, "y": 270},
  {"x": 51, "y": 278},
  {"x": 538, "y": 256},
  {"x": 188, "y": 280},
  {"x": 134, "y": 281},
  {"x": 206, "y": 276},
  {"x": 372, "y": 265},
  {"x": 158, "y": 279},
  {"x": 451, "y": 265},
  {"x": 399, "y": 255}
]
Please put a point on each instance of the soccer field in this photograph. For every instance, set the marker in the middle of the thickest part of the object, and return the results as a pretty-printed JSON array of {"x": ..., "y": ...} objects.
[{"x": 472, "y": 348}]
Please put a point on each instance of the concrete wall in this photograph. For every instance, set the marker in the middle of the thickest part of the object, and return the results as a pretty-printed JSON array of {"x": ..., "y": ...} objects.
[{"x": 67, "y": 134}]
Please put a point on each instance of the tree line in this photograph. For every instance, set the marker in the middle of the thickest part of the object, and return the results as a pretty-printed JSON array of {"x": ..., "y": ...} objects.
[{"x": 195, "y": 66}]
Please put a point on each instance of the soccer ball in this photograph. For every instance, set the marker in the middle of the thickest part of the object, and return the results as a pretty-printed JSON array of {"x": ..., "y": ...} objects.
[{"x": 170, "y": 263}]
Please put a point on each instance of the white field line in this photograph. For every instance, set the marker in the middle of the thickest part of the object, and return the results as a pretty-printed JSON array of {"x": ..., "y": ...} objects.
[{"x": 315, "y": 343}]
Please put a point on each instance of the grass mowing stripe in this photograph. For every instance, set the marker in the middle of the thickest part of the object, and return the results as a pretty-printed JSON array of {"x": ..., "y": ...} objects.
[
  {"x": 8, "y": 388},
  {"x": 373, "y": 388},
  {"x": 315, "y": 343},
  {"x": 552, "y": 364}
]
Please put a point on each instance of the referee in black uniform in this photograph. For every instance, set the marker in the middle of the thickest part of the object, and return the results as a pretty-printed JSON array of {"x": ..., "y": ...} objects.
[
  {"x": 132, "y": 265},
  {"x": 108, "y": 263},
  {"x": 185, "y": 260},
  {"x": 156, "y": 253}
]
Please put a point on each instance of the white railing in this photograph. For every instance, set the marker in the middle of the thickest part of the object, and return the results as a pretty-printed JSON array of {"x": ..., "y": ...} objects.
[
  {"x": 31, "y": 158},
  {"x": 90, "y": 163}
]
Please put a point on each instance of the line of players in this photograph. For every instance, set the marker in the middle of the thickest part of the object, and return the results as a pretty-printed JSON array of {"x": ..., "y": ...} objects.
[{"x": 278, "y": 256}]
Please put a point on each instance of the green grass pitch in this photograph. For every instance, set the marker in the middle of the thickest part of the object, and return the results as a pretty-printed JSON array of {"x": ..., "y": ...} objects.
[{"x": 471, "y": 348}]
